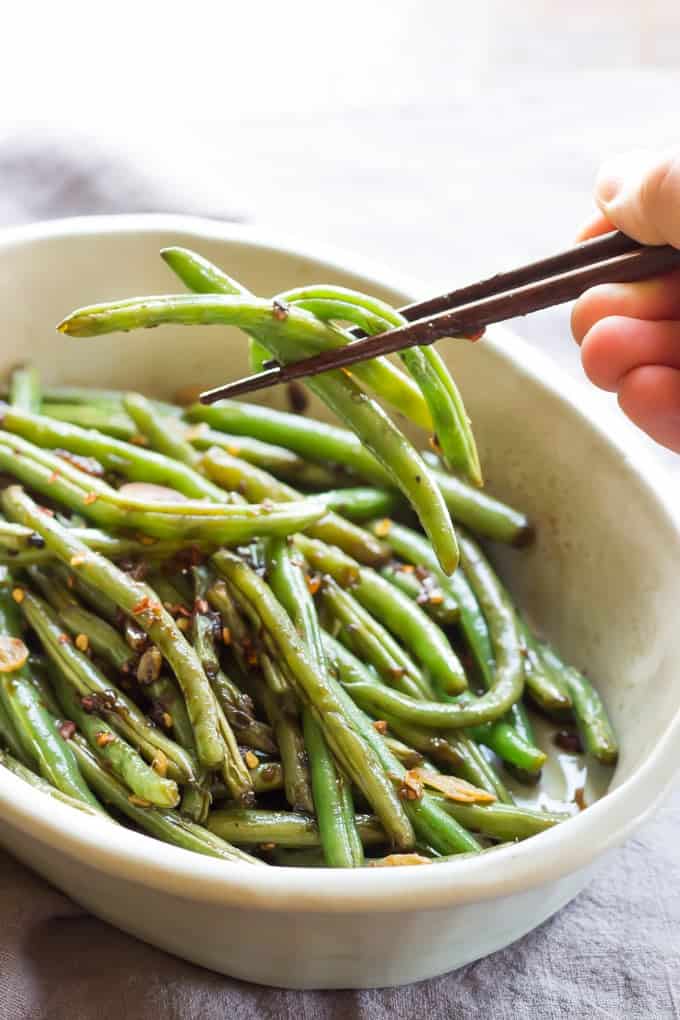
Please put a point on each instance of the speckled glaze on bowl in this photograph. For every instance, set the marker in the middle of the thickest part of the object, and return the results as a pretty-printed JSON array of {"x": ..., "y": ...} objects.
[{"x": 603, "y": 580}]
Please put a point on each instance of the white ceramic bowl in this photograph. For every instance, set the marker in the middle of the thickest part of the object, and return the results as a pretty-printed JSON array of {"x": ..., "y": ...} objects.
[{"x": 603, "y": 580}]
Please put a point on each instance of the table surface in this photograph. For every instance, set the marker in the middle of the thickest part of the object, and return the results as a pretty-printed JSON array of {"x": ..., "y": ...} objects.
[{"x": 468, "y": 145}]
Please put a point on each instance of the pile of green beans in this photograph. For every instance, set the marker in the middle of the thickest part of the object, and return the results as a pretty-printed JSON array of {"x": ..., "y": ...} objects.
[{"x": 262, "y": 673}]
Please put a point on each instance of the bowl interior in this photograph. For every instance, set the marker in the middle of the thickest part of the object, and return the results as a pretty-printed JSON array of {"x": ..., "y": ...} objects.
[{"x": 601, "y": 579}]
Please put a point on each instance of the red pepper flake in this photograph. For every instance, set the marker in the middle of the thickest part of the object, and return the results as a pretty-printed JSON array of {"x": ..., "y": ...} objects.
[
  {"x": 383, "y": 527},
  {"x": 70, "y": 581},
  {"x": 147, "y": 540},
  {"x": 67, "y": 729},
  {"x": 251, "y": 760},
  {"x": 18, "y": 594},
  {"x": 167, "y": 720},
  {"x": 64, "y": 639},
  {"x": 90, "y": 498},
  {"x": 406, "y": 568},
  {"x": 396, "y": 672},
  {"x": 436, "y": 598},
  {"x": 53, "y": 477},
  {"x": 147, "y": 605},
  {"x": 477, "y": 335},
  {"x": 380, "y": 725},
  {"x": 226, "y": 636},
  {"x": 267, "y": 846},
  {"x": 104, "y": 738},
  {"x": 46, "y": 510},
  {"x": 313, "y": 583},
  {"x": 434, "y": 444},
  {"x": 138, "y": 440}
]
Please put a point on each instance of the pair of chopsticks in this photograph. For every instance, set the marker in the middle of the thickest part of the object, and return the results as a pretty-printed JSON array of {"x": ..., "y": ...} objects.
[{"x": 612, "y": 258}]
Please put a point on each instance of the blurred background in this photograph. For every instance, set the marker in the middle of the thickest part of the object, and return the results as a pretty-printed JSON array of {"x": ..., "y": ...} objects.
[{"x": 445, "y": 139}]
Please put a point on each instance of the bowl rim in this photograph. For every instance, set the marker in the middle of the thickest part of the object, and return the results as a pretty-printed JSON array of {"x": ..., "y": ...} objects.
[{"x": 544, "y": 858}]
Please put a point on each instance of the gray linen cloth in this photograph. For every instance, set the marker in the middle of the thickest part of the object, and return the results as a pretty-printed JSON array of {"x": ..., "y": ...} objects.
[{"x": 613, "y": 953}]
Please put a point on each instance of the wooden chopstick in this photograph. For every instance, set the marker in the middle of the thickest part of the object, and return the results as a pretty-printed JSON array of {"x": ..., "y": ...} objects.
[{"x": 613, "y": 258}]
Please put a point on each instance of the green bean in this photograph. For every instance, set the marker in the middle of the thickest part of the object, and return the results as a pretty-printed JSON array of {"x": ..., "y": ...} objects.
[
  {"x": 503, "y": 736},
  {"x": 267, "y": 778},
  {"x": 122, "y": 759},
  {"x": 379, "y": 374},
  {"x": 256, "y": 485},
  {"x": 318, "y": 692},
  {"x": 109, "y": 421},
  {"x": 284, "y": 828},
  {"x": 501, "y": 821},
  {"x": 133, "y": 462},
  {"x": 407, "y": 756},
  {"x": 444, "y": 402},
  {"x": 546, "y": 686},
  {"x": 333, "y": 802},
  {"x": 9, "y": 737},
  {"x": 359, "y": 503},
  {"x": 112, "y": 546},
  {"x": 316, "y": 441},
  {"x": 104, "y": 640},
  {"x": 135, "y": 599},
  {"x": 322, "y": 443},
  {"x": 35, "y": 729},
  {"x": 370, "y": 641},
  {"x": 101, "y": 603},
  {"x": 203, "y": 277},
  {"x": 160, "y": 433},
  {"x": 285, "y": 336},
  {"x": 422, "y": 637},
  {"x": 234, "y": 770},
  {"x": 24, "y": 388},
  {"x": 122, "y": 713},
  {"x": 595, "y": 728},
  {"x": 167, "y": 826},
  {"x": 285, "y": 722},
  {"x": 454, "y": 751},
  {"x": 233, "y": 525},
  {"x": 422, "y": 589},
  {"x": 282, "y": 463},
  {"x": 429, "y": 821}
]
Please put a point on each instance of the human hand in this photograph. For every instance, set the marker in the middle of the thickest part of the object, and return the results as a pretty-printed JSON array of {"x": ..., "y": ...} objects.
[{"x": 630, "y": 332}]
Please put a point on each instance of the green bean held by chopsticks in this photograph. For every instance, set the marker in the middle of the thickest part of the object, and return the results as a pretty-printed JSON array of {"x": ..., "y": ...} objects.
[
  {"x": 285, "y": 337},
  {"x": 379, "y": 374}
]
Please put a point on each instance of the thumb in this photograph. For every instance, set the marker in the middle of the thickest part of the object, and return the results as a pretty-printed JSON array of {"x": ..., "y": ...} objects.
[{"x": 640, "y": 194}]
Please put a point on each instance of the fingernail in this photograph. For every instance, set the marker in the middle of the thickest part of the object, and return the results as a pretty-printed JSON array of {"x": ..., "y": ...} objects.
[{"x": 608, "y": 188}]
